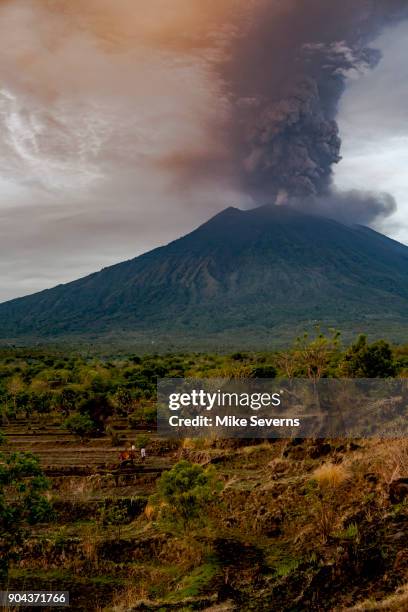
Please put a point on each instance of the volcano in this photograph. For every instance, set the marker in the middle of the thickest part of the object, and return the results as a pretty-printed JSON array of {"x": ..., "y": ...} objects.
[{"x": 244, "y": 278}]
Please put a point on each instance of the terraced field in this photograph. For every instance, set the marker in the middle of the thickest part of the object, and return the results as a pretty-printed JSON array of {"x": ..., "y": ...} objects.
[
  {"x": 87, "y": 482},
  {"x": 269, "y": 546}
]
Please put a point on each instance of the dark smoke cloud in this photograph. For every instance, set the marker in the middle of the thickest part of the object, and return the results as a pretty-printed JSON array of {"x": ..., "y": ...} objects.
[
  {"x": 286, "y": 77},
  {"x": 354, "y": 206}
]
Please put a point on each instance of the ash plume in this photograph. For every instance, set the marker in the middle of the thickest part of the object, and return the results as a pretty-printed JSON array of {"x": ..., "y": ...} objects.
[
  {"x": 349, "y": 207},
  {"x": 286, "y": 77}
]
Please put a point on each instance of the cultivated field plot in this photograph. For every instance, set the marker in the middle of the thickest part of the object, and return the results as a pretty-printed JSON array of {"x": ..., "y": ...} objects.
[{"x": 296, "y": 520}]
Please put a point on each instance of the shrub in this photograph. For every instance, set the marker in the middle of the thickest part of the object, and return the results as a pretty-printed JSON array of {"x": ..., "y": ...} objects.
[
  {"x": 22, "y": 503},
  {"x": 186, "y": 490},
  {"x": 265, "y": 371},
  {"x": 141, "y": 441},
  {"x": 114, "y": 515},
  {"x": 330, "y": 475},
  {"x": 363, "y": 360},
  {"x": 80, "y": 425}
]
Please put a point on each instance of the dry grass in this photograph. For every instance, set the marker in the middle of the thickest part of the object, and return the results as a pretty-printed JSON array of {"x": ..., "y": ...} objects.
[
  {"x": 127, "y": 598},
  {"x": 393, "y": 461},
  {"x": 76, "y": 489},
  {"x": 255, "y": 448},
  {"x": 330, "y": 476},
  {"x": 325, "y": 519},
  {"x": 81, "y": 488},
  {"x": 90, "y": 545},
  {"x": 183, "y": 553},
  {"x": 143, "y": 579},
  {"x": 150, "y": 511},
  {"x": 395, "y": 603},
  {"x": 198, "y": 443}
]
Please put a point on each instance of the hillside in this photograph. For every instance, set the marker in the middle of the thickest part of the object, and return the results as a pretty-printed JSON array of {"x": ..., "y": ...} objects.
[
  {"x": 279, "y": 525},
  {"x": 278, "y": 539},
  {"x": 257, "y": 273}
]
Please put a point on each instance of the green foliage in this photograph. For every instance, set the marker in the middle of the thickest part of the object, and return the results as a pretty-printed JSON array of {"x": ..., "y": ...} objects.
[
  {"x": 40, "y": 382},
  {"x": 312, "y": 358},
  {"x": 185, "y": 491},
  {"x": 141, "y": 441},
  {"x": 80, "y": 424},
  {"x": 350, "y": 533},
  {"x": 40, "y": 402},
  {"x": 114, "y": 515},
  {"x": 144, "y": 415},
  {"x": 149, "y": 415},
  {"x": 68, "y": 399},
  {"x": 363, "y": 360},
  {"x": 264, "y": 371},
  {"x": 22, "y": 503},
  {"x": 123, "y": 400},
  {"x": 97, "y": 407},
  {"x": 286, "y": 566},
  {"x": 193, "y": 584}
]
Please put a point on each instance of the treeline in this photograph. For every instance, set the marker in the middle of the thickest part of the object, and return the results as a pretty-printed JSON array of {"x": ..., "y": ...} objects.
[{"x": 85, "y": 390}]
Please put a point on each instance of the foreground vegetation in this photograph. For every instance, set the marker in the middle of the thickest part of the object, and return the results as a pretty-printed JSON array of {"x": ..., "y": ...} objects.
[
  {"x": 203, "y": 524},
  {"x": 87, "y": 390}
]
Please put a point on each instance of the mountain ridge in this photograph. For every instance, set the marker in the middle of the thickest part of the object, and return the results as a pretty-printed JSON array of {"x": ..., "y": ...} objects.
[{"x": 260, "y": 269}]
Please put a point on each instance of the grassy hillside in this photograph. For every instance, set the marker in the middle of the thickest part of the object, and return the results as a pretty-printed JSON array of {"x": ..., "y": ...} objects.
[{"x": 307, "y": 526}]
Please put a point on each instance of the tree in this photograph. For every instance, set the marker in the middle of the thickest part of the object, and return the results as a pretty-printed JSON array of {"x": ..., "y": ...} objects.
[
  {"x": 22, "y": 503},
  {"x": 15, "y": 386},
  {"x": 310, "y": 357},
  {"x": 68, "y": 400},
  {"x": 184, "y": 491},
  {"x": 98, "y": 408},
  {"x": 80, "y": 425},
  {"x": 363, "y": 360},
  {"x": 123, "y": 400},
  {"x": 116, "y": 515},
  {"x": 40, "y": 402},
  {"x": 264, "y": 371}
]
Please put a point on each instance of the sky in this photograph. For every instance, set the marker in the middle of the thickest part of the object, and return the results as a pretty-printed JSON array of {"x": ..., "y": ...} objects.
[
  {"x": 373, "y": 121},
  {"x": 103, "y": 101}
]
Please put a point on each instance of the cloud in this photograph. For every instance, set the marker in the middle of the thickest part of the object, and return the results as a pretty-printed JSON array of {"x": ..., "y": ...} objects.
[
  {"x": 373, "y": 120},
  {"x": 125, "y": 124},
  {"x": 100, "y": 102},
  {"x": 350, "y": 207}
]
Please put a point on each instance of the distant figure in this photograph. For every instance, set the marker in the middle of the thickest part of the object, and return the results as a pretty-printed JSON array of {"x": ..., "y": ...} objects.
[
  {"x": 127, "y": 457},
  {"x": 143, "y": 454}
]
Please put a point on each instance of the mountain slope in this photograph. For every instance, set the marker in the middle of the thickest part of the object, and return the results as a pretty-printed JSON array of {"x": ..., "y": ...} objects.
[{"x": 242, "y": 270}]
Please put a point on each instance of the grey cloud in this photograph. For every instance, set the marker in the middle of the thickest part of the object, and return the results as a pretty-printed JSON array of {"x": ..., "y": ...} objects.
[
  {"x": 115, "y": 141},
  {"x": 353, "y": 206},
  {"x": 287, "y": 77}
]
